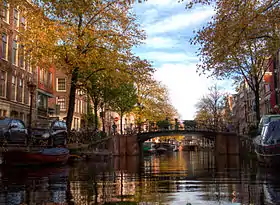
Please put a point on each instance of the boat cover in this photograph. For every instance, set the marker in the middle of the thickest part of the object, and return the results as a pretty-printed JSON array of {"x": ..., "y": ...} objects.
[
  {"x": 55, "y": 151},
  {"x": 272, "y": 132}
]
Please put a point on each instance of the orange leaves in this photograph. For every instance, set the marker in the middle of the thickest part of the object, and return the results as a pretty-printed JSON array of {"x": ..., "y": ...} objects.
[{"x": 75, "y": 32}]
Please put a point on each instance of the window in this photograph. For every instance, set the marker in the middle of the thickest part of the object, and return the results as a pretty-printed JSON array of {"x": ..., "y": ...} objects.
[
  {"x": 5, "y": 11},
  {"x": 19, "y": 91},
  {"x": 42, "y": 101},
  {"x": 46, "y": 78},
  {"x": 28, "y": 64},
  {"x": 61, "y": 84},
  {"x": 22, "y": 22},
  {"x": 50, "y": 80},
  {"x": 15, "y": 18},
  {"x": 41, "y": 75},
  {"x": 61, "y": 102},
  {"x": 14, "y": 53},
  {"x": 26, "y": 94},
  {"x": 4, "y": 46},
  {"x": 13, "y": 96},
  {"x": 76, "y": 123},
  {"x": 21, "y": 56},
  {"x": 3, "y": 113},
  {"x": 3, "y": 77}
]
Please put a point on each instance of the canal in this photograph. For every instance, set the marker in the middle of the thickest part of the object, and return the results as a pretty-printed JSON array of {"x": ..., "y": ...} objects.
[{"x": 177, "y": 178}]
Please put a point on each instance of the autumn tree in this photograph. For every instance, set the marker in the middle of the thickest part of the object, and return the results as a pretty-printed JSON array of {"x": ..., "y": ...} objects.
[
  {"x": 238, "y": 40},
  {"x": 123, "y": 99},
  {"x": 72, "y": 34}
]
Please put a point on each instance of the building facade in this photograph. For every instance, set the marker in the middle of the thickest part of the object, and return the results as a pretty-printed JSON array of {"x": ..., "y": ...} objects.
[
  {"x": 244, "y": 109},
  {"x": 15, "y": 72},
  {"x": 45, "y": 90},
  {"x": 59, "y": 104}
]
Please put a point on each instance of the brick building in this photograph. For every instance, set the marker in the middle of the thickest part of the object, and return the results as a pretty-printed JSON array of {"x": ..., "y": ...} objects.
[
  {"x": 61, "y": 100},
  {"x": 45, "y": 90},
  {"x": 15, "y": 72}
]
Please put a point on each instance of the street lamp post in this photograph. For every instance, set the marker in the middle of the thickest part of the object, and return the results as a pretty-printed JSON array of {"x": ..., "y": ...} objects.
[
  {"x": 31, "y": 87},
  {"x": 141, "y": 107}
]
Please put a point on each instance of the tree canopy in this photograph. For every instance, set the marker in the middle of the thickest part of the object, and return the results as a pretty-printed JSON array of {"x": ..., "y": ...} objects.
[
  {"x": 76, "y": 36},
  {"x": 239, "y": 40}
]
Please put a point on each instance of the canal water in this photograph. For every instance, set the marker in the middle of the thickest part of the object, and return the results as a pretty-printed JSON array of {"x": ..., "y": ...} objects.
[{"x": 180, "y": 178}]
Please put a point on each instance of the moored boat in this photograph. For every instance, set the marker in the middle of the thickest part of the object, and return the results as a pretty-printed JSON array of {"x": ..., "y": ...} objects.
[
  {"x": 149, "y": 148},
  {"x": 161, "y": 150},
  {"x": 267, "y": 144},
  {"x": 40, "y": 157}
]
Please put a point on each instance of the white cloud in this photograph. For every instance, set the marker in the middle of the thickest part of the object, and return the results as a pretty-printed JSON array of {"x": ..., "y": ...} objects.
[
  {"x": 162, "y": 2},
  {"x": 179, "y": 21},
  {"x": 169, "y": 57},
  {"x": 186, "y": 87},
  {"x": 160, "y": 42}
]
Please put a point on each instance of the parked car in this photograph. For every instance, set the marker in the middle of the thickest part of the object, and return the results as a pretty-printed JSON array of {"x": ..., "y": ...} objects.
[
  {"x": 265, "y": 120},
  {"x": 49, "y": 133},
  {"x": 12, "y": 131}
]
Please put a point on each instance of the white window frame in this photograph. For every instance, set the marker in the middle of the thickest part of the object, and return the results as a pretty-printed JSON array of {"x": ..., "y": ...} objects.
[
  {"x": 8, "y": 12},
  {"x": 57, "y": 90},
  {"x": 61, "y": 109}
]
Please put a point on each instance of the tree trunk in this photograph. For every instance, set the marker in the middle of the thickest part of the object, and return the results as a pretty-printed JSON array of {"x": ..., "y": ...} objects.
[
  {"x": 72, "y": 97},
  {"x": 95, "y": 108},
  {"x": 103, "y": 116},
  {"x": 103, "y": 120},
  {"x": 257, "y": 102},
  {"x": 121, "y": 115}
]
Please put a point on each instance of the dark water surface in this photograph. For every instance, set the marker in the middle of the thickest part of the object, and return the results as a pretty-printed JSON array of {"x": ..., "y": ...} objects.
[{"x": 175, "y": 179}]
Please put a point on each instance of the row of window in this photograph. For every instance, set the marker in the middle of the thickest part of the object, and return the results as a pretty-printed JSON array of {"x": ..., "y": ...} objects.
[
  {"x": 46, "y": 77},
  {"x": 80, "y": 105},
  {"x": 16, "y": 16},
  {"x": 19, "y": 89},
  {"x": 18, "y": 53}
]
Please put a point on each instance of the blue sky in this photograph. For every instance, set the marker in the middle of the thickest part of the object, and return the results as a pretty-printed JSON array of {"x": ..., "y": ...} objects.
[{"x": 169, "y": 26}]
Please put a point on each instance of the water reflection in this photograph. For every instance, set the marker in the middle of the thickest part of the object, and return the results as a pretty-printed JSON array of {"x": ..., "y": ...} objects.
[
  {"x": 177, "y": 178},
  {"x": 34, "y": 186}
]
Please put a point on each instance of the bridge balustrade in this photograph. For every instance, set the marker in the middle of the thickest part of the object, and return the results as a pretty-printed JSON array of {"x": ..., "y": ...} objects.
[{"x": 148, "y": 127}]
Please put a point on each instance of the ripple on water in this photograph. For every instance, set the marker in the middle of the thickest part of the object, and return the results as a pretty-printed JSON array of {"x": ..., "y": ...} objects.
[{"x": 183, "y": 178}]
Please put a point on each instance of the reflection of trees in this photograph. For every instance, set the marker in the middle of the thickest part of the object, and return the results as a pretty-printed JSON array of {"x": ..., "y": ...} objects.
[
  {"x": 179, "y": 172},
  {"x": 34, "y": 186}
]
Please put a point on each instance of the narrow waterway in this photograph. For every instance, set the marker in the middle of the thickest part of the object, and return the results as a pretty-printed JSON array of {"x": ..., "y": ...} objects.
[{"x": 177, "y": 178}]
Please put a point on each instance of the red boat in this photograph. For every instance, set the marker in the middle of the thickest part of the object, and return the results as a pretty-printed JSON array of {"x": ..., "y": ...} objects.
[{"x": 42, "y": 157}]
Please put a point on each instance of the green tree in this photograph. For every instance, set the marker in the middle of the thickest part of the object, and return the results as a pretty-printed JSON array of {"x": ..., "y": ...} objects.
[{"x": 123, "y": 99}]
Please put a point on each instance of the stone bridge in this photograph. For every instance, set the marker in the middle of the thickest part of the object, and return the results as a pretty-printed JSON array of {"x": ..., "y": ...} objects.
[{"x": 131, "y": 144}]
